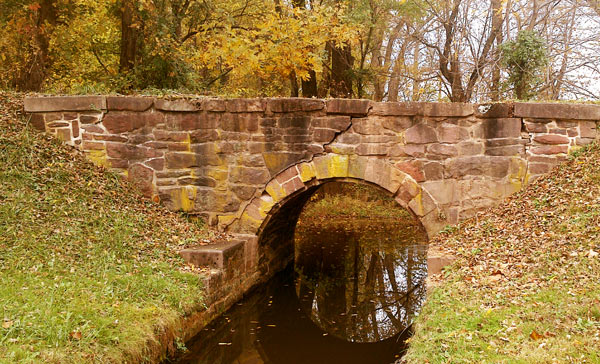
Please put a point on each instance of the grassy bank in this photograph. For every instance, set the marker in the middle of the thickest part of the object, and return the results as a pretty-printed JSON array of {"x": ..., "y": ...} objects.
[
  {"x": 526, "y": 285},
  {"x": 88, "y": 268}
]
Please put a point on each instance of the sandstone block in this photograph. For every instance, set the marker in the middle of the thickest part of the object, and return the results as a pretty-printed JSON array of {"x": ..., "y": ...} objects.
[
  {"x": 420, "y": 134},
  {"x": 550, "y": 149},
  {"x": 213, "y": 105},
  {"x": 87, "y": 145},
  {"x": 37, "y": 121},
  {"x": 339, "y": 122},
  {"x": 295, "y": 104},
  {"x": 504, "y": 110},
  {"x": 321, "y": 135},
  {"x": 158, "y": 164},
  {"x": 557, "y": 111},
  {"x": 536, "y": 127},
  {"x": 197, "y": 181},
  {"x": 178, "y": 105},
  {"x": 412, "y": 168},
  {"x": 248, "y": 176},
  {"x": 551, "y": 139},
  {"x": 142, "y": 177},
  {"x": 294, "y": 121},
  {"x": 129, "y": 103},
  {"x": 245, "y": 105},
  {"x": 89, "y": 119},
  {"x": 398, "y": 123},
  {"x": 501, "y": 128},
  {"x": 450, "y": 133},
  {"x": 64, "y": 103},
  {"x": 422, "y": 204},
  {"x": 395, "y": 108},
  {"x": 443, "y": 150},
  {"x": 116, "y": 123},
  {"x": 176, "y": 160},
  {"x": 588, "y": 129},
  {"x": 506, "y": 150},
  {"x": 433, "y": 171},
  {"x": 348, "y": 107},
  {"x": 470, "y": 148},
  {"x": 372, "y": 149},
  {"x": 584, "y": 141}
]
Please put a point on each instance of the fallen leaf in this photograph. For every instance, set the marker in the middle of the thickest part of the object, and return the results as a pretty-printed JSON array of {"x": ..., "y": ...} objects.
[
  {"x": 7, "y": 324},
  {"x": 535, "y": 336},
  {"x": 75, "y": 335}
]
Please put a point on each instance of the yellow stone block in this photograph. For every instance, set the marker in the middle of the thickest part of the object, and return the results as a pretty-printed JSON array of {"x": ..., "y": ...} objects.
[
  {"x": 337, "y": 165},
  {"x": 184, "y": 198},
  {"x": 276, "y": 191},
  {"x": 266, "y": 204},
  {"x": 307, "y": 172}
]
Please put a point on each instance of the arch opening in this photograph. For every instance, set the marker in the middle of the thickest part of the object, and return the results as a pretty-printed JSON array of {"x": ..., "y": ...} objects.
[{"x": 362, "y": 279}]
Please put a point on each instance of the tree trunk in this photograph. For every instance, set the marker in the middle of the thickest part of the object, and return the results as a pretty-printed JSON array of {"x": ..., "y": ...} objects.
[
  {"x": 35, "y": 72},
  {"x": 341, "y": 66},
  {"x": 294, "y": 92},
  {"x": 309, "y": 86},
  {"x": 129, "y": 37}
]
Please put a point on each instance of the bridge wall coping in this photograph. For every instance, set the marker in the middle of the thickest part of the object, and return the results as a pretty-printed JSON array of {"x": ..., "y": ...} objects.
[{"x": 352, "y": 107}]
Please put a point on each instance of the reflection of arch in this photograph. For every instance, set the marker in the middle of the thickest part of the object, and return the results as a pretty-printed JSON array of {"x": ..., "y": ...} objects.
[{"x": 289, "y": 185}]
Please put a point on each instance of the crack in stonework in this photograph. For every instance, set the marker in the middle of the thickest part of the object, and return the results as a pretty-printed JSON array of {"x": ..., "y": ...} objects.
[{"x": 298, "y": 162}]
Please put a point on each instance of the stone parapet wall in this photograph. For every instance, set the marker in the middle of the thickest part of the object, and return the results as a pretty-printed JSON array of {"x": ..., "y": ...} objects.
[{"x": 221, "y": 158}]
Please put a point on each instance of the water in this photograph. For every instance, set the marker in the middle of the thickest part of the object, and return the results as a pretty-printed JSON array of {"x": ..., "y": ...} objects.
[{"x": 350, "y": 297}]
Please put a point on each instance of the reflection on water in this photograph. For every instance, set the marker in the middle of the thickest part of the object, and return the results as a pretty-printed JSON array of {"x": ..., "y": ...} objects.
[
  {"x": 350, "y": 298},
  {"x": 360, "y": 281}
]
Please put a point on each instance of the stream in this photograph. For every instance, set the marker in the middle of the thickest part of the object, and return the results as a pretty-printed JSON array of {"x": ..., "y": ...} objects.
[{"x": 349, "y": 297}]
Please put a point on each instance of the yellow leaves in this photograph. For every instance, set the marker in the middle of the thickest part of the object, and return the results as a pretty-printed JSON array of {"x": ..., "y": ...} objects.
[{"x": 7, "y": 324}]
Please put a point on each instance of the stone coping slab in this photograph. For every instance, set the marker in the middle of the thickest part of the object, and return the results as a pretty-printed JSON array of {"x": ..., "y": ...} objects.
[{"x": 352, "y": 107}]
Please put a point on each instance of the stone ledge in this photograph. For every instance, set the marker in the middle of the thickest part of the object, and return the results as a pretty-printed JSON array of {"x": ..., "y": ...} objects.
[
  {"x": 129, "y": 103},
  {"x": 422, "y": 109},
  {"x": 213, "y": 255},
  {"x": 557, "y": 111},
  {"x": 64, "y": 103}
]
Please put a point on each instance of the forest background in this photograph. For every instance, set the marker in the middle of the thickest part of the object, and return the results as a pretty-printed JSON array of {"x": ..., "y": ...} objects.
[{"x": 390, "y": 50}]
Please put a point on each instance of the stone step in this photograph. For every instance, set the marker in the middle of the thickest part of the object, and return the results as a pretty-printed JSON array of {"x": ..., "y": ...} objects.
[{"x": 233, "y": 256}]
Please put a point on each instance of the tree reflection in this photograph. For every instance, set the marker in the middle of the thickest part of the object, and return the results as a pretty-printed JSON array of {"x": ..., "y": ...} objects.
[{"x": 360, "y": 280}]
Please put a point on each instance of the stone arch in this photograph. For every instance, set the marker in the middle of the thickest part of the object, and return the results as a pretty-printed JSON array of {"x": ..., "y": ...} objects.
[
  {"x": 299, "y": 178},
  {"x": 272, "y": 216}
]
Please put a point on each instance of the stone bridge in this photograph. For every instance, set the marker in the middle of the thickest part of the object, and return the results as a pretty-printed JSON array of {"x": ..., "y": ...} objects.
[{"x": 249, "y": 165}]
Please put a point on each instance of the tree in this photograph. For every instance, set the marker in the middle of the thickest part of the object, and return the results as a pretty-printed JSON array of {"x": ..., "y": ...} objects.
[{"x": 525, "y": 59}]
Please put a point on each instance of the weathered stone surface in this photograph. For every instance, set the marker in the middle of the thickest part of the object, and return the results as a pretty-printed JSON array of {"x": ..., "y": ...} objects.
[
  {"x": 37, "y": 121},
  {"x": 494, "y": 111},
  {"x": 412, "y": 168},
  {"x": 124, "y": 122},
  {"x": 477, "y": 166},
  {"x": 588, "y": 129},
  {"x": 557, "y": 111},
  {"x": 550, "y": 149},
  {"x": 433, "y": 171},
  {"x": 398, "y": 123},
  {"x": 332, "y": 122},
  {"x": 177, "y": 160},
  {"x": 348, "y": 107},
  {"x": 450, "y": 133},
  {"x": 551, "y": 139},
  {"x": 536, "y": 127},
  {"x": 420, "y": 134},
  {"x": 141, "y": 176},
  {"x": 281, "y": 105},
  {"x": 501, "y": 128},
  {"x": 445, "y": 150},
  {"x": 245, "y": 105},
  {"x": 395, "y": 108},
  {"x": 180, "y": 105},
  {"x": 89, "y": 119},
  {"x": 372, "y": 149},
  {"x": 506, "y": 150},
  {"x": 129, "y": 103},
  {"x": 64, "y": 103}
]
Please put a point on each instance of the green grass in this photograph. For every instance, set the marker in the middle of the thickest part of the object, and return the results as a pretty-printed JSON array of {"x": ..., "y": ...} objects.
[
  {"x": 526, "y": 284},
  {"x": 88, "y": 269}
]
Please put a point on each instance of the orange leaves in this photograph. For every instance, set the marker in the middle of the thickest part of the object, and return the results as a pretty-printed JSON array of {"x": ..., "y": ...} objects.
[{"x": 34, "y": 7}]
